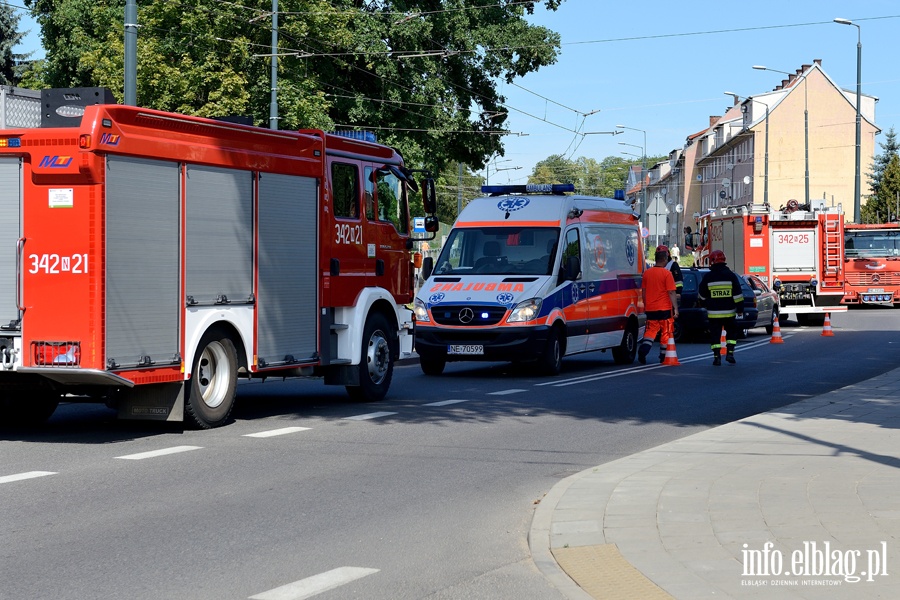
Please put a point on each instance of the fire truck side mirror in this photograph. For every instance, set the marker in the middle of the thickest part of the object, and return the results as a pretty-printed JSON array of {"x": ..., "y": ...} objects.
[
  {"x": 427, "y": 267},
  {"x": 431, "y": 224},
  {"x": 429, "y": 200}
]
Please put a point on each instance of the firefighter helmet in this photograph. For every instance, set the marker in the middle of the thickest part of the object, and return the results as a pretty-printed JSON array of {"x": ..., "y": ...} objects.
[{"x": 717, "y": 256}]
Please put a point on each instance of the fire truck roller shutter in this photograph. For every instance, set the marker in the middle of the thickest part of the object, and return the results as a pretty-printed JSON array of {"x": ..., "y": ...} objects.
[
  {"x": 219, "y": 236},
  {"x": 288, "y": 242},
  {"x": 142, "y": 261},
  {"x": 10, "y": 227}
]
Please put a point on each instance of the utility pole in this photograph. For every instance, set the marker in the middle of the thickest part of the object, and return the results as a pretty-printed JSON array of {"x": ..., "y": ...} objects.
[
  {"x": 131, "y": 26},
  {"x": 273, "y": 102}
]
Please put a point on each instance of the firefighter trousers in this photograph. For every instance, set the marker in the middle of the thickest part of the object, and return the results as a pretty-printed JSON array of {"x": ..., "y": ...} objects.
[{"x": 715, "y": 333}]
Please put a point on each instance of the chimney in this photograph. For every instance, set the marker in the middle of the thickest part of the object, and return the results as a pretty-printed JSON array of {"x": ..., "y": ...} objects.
[
  {"x": 818, "y": 61},
  {"x": 713, "y": 120}
]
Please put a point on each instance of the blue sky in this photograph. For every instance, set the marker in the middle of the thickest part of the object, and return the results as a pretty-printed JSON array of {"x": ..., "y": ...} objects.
[{"x": 662, "y": 67}]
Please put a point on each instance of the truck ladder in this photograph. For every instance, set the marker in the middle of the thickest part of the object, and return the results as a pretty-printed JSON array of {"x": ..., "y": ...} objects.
[{"x": 832, "y": 251}]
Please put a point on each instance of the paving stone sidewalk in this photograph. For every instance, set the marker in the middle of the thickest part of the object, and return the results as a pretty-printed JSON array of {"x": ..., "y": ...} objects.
[{"x": 818, "y": 480}]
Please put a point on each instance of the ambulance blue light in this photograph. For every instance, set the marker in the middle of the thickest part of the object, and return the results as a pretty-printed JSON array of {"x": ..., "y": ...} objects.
[
  {"x": 365, "y": 136},
  {"x": 529, "y": 188}
]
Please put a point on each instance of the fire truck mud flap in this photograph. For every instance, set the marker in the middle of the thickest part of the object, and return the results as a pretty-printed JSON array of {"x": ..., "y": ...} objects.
[{"x": 157, "y": 402}]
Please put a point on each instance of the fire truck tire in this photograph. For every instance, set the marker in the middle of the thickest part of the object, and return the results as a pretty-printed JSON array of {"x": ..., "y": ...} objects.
[
  {"x": 624, "y": 353},
  {"x": 431, "y": 365},
  {"x": 376, "y": 365},
  {"x": 34, "y": 410},
  {"x": 550, "y": 362},
  {"x": 211, "y": 390}
]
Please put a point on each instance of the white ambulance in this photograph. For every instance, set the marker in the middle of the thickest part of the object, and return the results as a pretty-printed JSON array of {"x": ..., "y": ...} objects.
[{"x": 533, "y": 273}]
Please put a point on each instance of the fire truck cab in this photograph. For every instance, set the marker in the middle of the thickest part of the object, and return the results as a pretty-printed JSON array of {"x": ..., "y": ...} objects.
[
  {"x": 530, "y": 274},
  {"x": 872, "y": 264},
  {"x": 153, "y": 258}
]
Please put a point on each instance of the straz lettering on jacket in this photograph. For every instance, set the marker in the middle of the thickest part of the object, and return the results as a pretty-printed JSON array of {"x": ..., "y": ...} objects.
[
  {"x": 477, "y": 287},
  {"x": 720, "y": 292}
]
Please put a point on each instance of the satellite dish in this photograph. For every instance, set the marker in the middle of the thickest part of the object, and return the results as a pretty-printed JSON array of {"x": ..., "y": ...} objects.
[
  {"x": 746, "y": 180},
  {"x": 699, "y": 177},
  {"x": 670, "y": 201},
  {"x": 729, "y": 166},
  {"x": 726, "y": 182},
  {"x": 679, "y": 209},
  {"x": 664, "y": 191}
]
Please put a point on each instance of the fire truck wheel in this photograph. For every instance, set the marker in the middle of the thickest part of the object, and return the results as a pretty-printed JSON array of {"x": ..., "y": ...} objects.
[
  {"x": 210, "y": 394},
  {"x": 625, "y": 352},
  {"x": 376, "y": 365},
  {"x": 432, "y": 365},
  {"x": 551, "y": 361},
  {"x": 30, "y": 411}
]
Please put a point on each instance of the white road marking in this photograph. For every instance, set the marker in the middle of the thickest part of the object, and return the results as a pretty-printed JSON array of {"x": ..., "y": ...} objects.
[
  {"x": 274, "y": 432},
  {"x": 505, "y": 392},
  {"x": 373, "y": 415},
  {"x": 312, "y": 586},
  {"x": 155, "y": 453},
  {"x": 445, "y": 402},
  {"x": 28, "y": 475}
]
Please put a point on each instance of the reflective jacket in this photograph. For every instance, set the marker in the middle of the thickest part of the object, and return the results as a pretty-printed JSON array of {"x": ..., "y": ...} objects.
[
  {"x": 675, "y": 268},
  {"x": 720, "y": 292}
]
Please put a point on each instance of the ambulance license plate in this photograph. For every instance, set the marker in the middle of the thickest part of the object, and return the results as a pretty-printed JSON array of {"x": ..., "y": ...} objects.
[{"x": 467, "y": 349}]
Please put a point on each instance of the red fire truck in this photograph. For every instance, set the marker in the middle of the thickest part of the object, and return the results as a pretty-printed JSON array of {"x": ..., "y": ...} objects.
[
  {"x": 797, "y": 250},
  {"x": 872, "y": 264},
  {"x": 153, "y": 258}
]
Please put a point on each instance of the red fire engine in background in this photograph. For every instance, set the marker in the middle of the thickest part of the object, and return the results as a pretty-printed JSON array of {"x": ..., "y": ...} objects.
[
  {"x": 153, "y": 258},
  {"x": 798, "y": 251},
  {"x": 872, "y": 264}
]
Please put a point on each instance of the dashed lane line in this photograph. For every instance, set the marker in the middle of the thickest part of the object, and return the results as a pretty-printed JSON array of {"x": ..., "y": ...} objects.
[
  {"x": 368, "y": 416},
  {"x": 28, "y": 475},
  {"x": 274, "y": 432},
  {"x": 312, "y": 586},
  {"x": 161, "y": 452},
  {"x": 444, "y": 403},
  {"x": 505, "y": 392}
]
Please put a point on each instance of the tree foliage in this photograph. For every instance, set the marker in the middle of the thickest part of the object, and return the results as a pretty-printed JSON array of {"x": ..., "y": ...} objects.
[
  {"x": 883, "y": 206},
  {"x": 590, "y": 177},
  {"x": 422, "y": 73},
  {"x": 10, "y": 36},
  {"x": 889, "y": 149}
]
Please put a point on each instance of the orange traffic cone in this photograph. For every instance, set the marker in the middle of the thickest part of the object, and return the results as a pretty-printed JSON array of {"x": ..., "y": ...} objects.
[
  {"x": 776, "y": 331},
  {"x": 671, "y": 356},
  {"x": 827, "y": 330},
  {"x": 723, "y": 344}
]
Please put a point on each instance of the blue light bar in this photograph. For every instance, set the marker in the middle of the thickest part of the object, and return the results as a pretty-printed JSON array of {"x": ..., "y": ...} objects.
[
  {"x": 10, "y": 143},
  {"x": 365, "y": 136},
  {"x": 529, "y": 188}
]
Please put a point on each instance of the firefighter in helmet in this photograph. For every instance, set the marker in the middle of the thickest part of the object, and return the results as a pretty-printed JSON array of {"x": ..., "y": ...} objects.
[{"x": 720, "y": 292}]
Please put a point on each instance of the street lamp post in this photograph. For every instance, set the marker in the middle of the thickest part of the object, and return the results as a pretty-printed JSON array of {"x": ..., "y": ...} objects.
[
  {"x": 766, "y": 157},
  {"x": 805, "y": 129},
  {"x": 643, "y": 170},
  {"x": 856, "y": 186}
]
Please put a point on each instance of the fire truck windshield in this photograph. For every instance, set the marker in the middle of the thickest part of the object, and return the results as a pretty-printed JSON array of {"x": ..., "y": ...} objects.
[
  {"x": 499, "y": 251},
  {"x": 871, "y": 244}
]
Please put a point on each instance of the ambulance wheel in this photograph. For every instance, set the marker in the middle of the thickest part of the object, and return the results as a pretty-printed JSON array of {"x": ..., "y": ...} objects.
[
  {"x": 210, "y": 393},
  {"x": 431, "y": 365},
  {"x": 551, "y": 361},
  {"x": 625, "y": 352},
  {"x": 376, "y": 365},
  {"x": 33, "y": 411}
]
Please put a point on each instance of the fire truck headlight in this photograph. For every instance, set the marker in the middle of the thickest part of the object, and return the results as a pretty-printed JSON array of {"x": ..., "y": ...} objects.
[
  {"x": 525, "y": 311},
  {"x": 420, "y": 311}
]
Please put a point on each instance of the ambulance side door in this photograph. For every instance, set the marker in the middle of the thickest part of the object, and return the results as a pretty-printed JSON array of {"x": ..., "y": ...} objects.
[{"x": 574, "y": 294}]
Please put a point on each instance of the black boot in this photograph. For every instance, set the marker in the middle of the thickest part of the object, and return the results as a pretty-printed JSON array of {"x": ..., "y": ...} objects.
[
  {"x": 717, "y": 358},
  {"x": 730, "y": 358}
]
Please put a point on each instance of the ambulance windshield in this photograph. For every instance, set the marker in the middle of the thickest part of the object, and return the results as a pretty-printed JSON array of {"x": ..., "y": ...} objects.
[{"x": 499, "y": 251}]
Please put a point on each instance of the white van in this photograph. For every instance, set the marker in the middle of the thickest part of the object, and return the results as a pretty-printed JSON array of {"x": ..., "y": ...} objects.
[{"x": 529, "y": 273}]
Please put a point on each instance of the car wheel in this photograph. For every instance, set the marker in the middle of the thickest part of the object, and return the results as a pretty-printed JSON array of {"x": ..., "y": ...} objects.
[
  {"x": 213, "y": 384},
  {"x": 677, "y": 331},
  {"x": 551, "y": 360},
  {"x": 771, "y": 326},
  {"x": 376, "y": 365},
  {"x": 625, "y": 352},
  {"x": 431, "y": 365}
]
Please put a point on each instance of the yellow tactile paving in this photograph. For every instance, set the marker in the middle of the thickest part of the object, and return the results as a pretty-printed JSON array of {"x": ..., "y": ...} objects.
[{"x": 604, "y": 574}]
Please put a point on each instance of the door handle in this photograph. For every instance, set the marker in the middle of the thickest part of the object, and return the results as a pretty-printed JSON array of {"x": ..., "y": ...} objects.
[{"x": 20, "y": 250}]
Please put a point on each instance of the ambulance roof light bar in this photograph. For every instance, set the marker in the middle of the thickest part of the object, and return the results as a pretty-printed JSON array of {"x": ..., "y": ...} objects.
[{"x": 529, "y": 188}]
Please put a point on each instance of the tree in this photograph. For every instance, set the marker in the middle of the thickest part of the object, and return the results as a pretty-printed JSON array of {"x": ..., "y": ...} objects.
[
  {"x": 422, "y": 73},
  {"x": 883, "y": 205},
  {"x": 890, "y": 148},
  {"x": 590, "y": 177},
  {"x": 10, "y": 36}
]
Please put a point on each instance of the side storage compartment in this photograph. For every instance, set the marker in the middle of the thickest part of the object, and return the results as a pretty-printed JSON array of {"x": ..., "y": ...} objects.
[
  {"x": 143, "y": 271},
  {"x": 10, "y": 227},
  {"x": 288, "y": 259}
]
